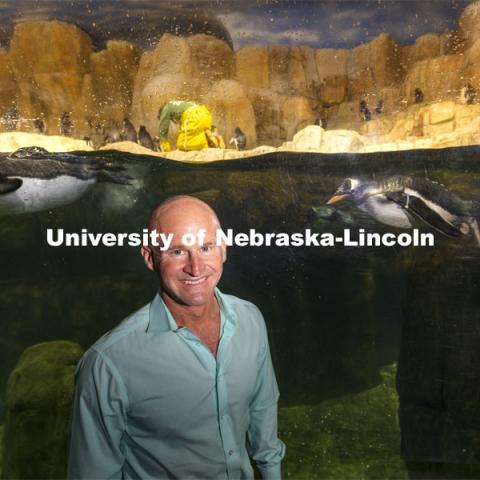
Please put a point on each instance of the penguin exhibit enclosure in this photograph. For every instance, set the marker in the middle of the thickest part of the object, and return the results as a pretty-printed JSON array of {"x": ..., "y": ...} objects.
[{"x": 341, "y": 138}]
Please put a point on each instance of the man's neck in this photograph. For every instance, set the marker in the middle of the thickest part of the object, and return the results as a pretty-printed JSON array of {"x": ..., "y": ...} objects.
[{"x": 194, "y": 316}]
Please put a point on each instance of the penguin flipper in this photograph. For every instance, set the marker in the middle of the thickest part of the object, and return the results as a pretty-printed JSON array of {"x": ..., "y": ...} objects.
[
  {"x": 8, "y": 185},
  {"x": 418, "y": 208}
]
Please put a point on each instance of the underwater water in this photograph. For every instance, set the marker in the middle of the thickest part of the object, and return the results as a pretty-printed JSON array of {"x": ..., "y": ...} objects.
[{"x": 355, "y": 333}]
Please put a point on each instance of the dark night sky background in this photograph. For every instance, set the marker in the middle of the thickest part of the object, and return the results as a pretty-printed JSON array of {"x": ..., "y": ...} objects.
[{"x": 317, "y": 23}]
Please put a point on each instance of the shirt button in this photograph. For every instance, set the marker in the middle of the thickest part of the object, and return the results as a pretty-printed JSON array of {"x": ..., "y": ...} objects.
[{"x": 230, "y": 453}]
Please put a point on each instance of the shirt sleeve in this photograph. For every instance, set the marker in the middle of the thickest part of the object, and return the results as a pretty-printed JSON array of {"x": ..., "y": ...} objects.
[
  {"x": 263, "y": 444},
  {"x": 164, "y": 121},
  {"x": 98, "y": 420}
]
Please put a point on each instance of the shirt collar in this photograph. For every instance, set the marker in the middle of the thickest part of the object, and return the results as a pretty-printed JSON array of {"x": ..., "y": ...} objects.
[{"x": 162, "y": 321}]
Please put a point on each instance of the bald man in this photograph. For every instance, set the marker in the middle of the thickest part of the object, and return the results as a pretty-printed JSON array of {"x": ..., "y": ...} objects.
[{"x": 184, "y": 387}]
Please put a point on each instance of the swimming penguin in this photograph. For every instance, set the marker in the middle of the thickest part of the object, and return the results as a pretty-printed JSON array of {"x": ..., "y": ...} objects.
[
  {"x": 239, "y": 139},
  {"x": 32, "y": 180},
  {"x": 27, "y": 152},
  {"x": 145, "y": 139},
  {"x": 66, "y": 125},
  {"x": 397, "y": 200},
  {"x": 128, "y": 132}
]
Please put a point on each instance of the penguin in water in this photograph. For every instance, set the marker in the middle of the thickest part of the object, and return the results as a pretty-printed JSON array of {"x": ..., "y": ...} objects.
[
  {"x": 145, "y": 139},
  {"x": 128, "y": 132},
  {"x": 239, "y": 139},
  {"x": 397, "y": 200},
  {"x": 31, "y": 179}
]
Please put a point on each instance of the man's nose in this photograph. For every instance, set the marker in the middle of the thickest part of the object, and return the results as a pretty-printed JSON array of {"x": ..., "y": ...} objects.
[{"x": 195, "y": 265}]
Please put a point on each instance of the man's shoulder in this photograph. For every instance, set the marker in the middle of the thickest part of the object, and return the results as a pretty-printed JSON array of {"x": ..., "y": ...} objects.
[
  {"x": 136, "y": 321},
  {"x": 237, "y": 302},
  {"x": 243, "y": 309}
]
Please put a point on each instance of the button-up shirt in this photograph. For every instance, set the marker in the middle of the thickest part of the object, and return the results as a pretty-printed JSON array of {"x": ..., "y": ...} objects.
[{"x": 152, "y": 401}]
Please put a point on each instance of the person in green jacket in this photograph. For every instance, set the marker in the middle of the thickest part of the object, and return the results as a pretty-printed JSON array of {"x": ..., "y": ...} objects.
[{"x": 195, "y": 125}]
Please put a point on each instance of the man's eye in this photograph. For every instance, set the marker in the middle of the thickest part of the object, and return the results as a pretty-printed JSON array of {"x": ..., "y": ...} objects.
[
  {"x": 206, "y": 248},
  {"x": 177, "y": 252}
]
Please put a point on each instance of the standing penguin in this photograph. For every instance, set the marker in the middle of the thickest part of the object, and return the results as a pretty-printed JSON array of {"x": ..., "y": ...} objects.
[
  {"x": 470, "y": 94},
  {"x": 128, "y": 132},
  {"x": 239, "y": 139},
  {"x": 66, "y": 125},
  {"x": 145, "y": 139},
  {"x": 10, "y": 119},
  {"x": 418, "y": 95},
  {"x": 112, "y": 133},
  {"x": 39, "y": 124}
]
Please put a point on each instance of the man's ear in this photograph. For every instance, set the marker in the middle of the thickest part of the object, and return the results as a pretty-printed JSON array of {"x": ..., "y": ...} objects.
[
  {"x": 147, "y": 255},
  {"x": 224, "y": 252}
]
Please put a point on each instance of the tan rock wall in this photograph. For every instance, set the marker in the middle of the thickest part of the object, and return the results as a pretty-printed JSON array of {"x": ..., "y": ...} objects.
[
  {"x": 199, "y": 68},
  {"x": 331, "y": 62},
  {"x": 211, "y": 59},
  {"x": 49, "y": 47},
  {"x": 268, "y": 115},
  {"x": 296, "y": 114},
  {"x": 231, "y": 108},
  {"x": 439, "y": 78},
  {"x": 469, "y": 23},
  {"x": 252, "y": 67},
  {"x": 113, "y": 72},
  {"x": 270, "y": 91},
  {"x": 8, "y": 86},
  {"x": 426, "y": 46},
  {"x": 49, "y": 61},
  {"x": 373, "y": 66}
]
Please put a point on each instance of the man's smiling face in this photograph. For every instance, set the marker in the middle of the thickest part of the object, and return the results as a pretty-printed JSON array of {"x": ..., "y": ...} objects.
[{"x": 188, "y": 274}]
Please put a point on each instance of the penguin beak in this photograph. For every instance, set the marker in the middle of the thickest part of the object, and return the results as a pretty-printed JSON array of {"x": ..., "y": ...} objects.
[{"x": 335, "y": 199}]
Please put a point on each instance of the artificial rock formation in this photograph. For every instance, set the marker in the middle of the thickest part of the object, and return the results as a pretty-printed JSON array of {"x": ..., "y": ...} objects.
[
  {"x": 191, "y": 68},
  {"x": 270, "y": 92},
  {"x": 49, "y": 61},
  {"x": 8, "y": 86},
  {"x": 38, "y": 412},
  {"x": 469, "y": 24},
  {"x": 109, "y": 85},
  {"x": 373, "y": 66},
  {"x": 54, "y": 70}
]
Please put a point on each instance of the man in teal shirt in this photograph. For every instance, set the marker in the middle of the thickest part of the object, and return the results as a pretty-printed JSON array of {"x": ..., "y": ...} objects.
[{"x": 184, "y": 387}]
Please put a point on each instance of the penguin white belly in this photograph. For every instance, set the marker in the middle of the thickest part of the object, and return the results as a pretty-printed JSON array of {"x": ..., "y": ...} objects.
[
  {"x": 37, "y": 194},
  {"x": 387, "y": 212}
]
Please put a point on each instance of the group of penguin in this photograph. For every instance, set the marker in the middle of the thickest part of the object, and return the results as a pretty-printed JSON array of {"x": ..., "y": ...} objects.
[
  {"x": 100, "y": 135},
  {"x": 128, "y": 133}
]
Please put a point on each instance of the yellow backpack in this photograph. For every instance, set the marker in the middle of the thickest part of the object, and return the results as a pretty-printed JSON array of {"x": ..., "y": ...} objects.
[{"x": 194, "y": 122}]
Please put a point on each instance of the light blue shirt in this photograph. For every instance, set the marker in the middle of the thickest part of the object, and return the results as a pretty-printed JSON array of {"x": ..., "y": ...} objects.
[{"x": 152, "y": 401}]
